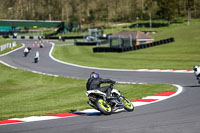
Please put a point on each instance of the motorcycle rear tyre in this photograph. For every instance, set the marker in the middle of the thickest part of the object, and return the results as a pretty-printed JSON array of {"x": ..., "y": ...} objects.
[
  {"x": 103, "y": 107},
  {"x": 35, "y": 60}
]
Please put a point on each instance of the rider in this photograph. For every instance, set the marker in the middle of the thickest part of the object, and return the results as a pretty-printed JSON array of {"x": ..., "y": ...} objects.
[
  {"x": 26, "y": 50},
  {"x": 196, "y": 71},
  {"x": 37, "y": 55},
  {"x": 95, "y": 81}
]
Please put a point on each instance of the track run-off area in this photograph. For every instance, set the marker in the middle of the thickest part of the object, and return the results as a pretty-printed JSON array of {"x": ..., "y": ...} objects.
[{"x": 176, "y": 114}]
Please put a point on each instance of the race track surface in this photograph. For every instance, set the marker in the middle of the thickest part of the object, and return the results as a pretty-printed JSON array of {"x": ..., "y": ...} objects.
[{"x": 180, "y": 114}]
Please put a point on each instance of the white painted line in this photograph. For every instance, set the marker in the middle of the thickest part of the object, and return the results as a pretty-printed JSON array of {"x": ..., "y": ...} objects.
[
  {"x": 35, "y": 118},
  {"x": 156, "y": 97},
  {"x": 137, "y": 104},
  {"x": 108, "y": 69},
  {"x": 8, "y": 65},
  {"x": 93, "y": 111}
]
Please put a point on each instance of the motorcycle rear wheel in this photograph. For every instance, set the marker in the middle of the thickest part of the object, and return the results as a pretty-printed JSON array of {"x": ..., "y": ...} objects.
[
  {"x": 35, "y": 60},
  {"x": 127, "y": 104},
  {"x": 103, "y": 107}
]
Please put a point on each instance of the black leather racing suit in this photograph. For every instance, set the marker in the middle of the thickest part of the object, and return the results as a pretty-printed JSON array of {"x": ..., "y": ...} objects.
[{"x": 94, "y": 83}]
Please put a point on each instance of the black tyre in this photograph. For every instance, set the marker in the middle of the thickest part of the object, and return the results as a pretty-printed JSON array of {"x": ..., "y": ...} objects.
[
  {"x": 35, "y": 60},
  {"x": 103, "y": 107},
  {"x": 127, "y": 104},
  {"x": 25, "y": 54}
]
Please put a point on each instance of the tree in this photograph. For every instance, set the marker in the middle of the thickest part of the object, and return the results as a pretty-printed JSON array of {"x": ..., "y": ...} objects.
[
  {"x": 167, "y": 9},
  {"x": 150, "y": 7}
]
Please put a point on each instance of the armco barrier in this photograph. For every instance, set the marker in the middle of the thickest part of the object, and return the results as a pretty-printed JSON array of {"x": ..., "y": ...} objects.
[
  {"x": 124, "y": 49},
  {"x": 8, "y": 45}
]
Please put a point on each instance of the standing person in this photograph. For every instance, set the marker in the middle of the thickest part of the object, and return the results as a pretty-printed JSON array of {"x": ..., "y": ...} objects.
[{"x": 95, "y": 81}]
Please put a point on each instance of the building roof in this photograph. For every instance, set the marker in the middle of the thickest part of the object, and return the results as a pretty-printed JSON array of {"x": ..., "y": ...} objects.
[{"x": 135, "y": 35}]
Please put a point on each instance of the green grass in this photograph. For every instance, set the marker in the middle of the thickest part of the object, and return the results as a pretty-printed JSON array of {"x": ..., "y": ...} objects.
[
  {"x": 23, "y": 93},
  {"x": 182, "y": 54},
  {"x": 4, "y": 41}
]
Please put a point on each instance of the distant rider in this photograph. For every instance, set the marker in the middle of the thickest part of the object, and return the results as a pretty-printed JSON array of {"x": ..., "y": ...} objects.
[
  {"x": 95, "y": 81},
  {"x": 26, "y": 51},
  {"x": 37, "y": 55},
  {"x": 196, "y": 71}
]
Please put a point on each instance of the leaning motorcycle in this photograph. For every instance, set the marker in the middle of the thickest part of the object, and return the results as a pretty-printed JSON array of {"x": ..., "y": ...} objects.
[
  {"x": 197, "y": 73},
  {"x": 97, "y": 100}
]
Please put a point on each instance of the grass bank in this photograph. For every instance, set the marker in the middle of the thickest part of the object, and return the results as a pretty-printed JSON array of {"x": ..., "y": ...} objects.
[
  {"x": 182, "y": 54},
  {"x": 23, "y": 93},
  {"x": 4, "y": 41}
]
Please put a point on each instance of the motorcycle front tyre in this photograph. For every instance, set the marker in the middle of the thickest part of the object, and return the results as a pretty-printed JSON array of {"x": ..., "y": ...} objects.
[
  {"x": 25, "y": 54},
  {"x": 127, "y": 104},
  {"x": 103, "y": 106}
]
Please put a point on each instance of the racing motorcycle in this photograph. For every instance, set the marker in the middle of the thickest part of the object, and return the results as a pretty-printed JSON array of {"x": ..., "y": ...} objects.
[
  {"x": 197, "y": 72},
  {"x": 98, "y": 101},
  {"x": 37, "y": 57},
  {"x": 27, "y": 51}
]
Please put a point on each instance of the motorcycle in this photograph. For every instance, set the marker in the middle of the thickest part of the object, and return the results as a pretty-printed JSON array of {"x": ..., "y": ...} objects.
[
  {"x": 37, "y": 56},
  {"x": 197, "y": 72},
  {"x": 98, "y": 101},
  {"x": 27, "y": 51}
]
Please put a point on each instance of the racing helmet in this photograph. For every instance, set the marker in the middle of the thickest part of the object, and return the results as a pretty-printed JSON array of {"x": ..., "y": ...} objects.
[{"x": 94, "y": 75}]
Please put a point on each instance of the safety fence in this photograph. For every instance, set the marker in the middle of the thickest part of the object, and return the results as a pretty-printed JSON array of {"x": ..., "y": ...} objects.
[{"x": 8, "y": 45}]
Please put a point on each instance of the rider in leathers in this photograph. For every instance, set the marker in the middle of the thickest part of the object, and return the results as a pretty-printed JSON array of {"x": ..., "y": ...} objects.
[
  {"x": 95, "y": 81},
  {"x": 197, "y": 72}
]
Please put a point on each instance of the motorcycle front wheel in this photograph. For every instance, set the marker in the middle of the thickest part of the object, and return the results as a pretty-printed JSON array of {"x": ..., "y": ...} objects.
[
  {"x": 127, "y": 104},
  {"x": 103, "y": 106}
]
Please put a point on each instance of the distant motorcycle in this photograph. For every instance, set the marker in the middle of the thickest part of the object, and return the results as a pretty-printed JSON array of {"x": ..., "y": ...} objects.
[
  {"x": 37, "y": 57},
  {"x": 97, "y": 100},
  {"x": 27, "y": 51},
  {"x": 41, "y": 45},
  {"x": 197, "y": 72}
]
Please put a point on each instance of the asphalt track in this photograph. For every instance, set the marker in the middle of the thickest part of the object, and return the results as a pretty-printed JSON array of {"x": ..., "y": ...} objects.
[{"x": 180, "y": 114}]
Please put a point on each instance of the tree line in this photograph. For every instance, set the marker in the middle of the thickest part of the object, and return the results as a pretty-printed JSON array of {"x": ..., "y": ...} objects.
[{"x": 90, "y": 11}]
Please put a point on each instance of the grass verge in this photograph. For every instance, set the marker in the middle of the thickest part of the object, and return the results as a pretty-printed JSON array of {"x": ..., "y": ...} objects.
[
  {"x": 182, "y": 54},
  {"x": 23, "y": 93},
  {"x": 4, "y": 41}
]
